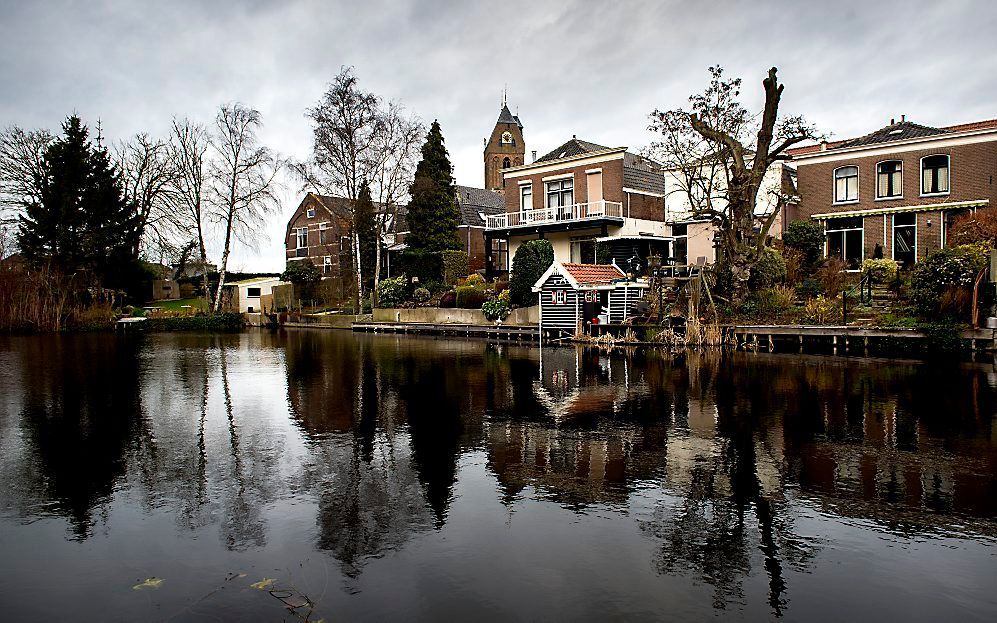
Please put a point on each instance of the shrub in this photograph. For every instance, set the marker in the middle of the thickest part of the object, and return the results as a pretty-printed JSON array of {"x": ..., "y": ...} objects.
[
  {"x": 807, "y": 237},
  {"x": 832, "y": 276},
  {"x": 223, "y": 322},
  {"x": 392, "y": 292},
  {"x": 943, "y": 282},
  {"x": 496, "y": 309},
  {"x": 531, "y": 260},
  {"x": 425, "y": 265},
  {"x": 449, "y": 299},
  {"x": 769, "y": 270},
  {"x": 796, "y": 269},
  {"x": 421, "y": 295},
  {"x": 808, "y": 288},
  {"x": 435, "y": 287},
  {"x": 470, "y": 297},
  {"x": 455, "y": 264},
  {"x": 881, "y": 271},
  {"x": 301, "y": 272},
  {"x": 474, "y": 279},
  {"x": 776, "y": 300},
  {"x": 821, "y": 310},
  {"x": 974, "y": 228}
]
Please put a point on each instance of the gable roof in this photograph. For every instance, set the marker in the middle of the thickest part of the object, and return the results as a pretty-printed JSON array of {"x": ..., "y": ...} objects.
[
  {"x": 473, "y": 202},
  {"x": 505, "y": 116},
  {"x": 639, "y": 173},
  {"x": 583, "y": 275},
  {"x": 902, "y": 131}
]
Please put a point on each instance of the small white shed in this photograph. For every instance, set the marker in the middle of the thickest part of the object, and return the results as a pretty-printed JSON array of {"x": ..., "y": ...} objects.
[
  {"x": 573, "y": 295},
  {"x": 251, "y": 290}
]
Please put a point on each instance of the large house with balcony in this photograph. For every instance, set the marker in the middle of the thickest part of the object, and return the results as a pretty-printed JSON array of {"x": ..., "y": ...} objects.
[
  {"x": 895, "y": 192},
  {"x": 595, "y": 204}
]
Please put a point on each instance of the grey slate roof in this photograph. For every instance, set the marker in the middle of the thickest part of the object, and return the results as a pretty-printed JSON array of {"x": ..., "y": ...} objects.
[
  {"x": 344, "y": 208},
  {"x": 507, "y": 117},
  {"x": 472, "y": 202},
  {"x": 896, "y": 132},
  {"x": 574, "y": 147},
  {"x": 641, "y": 173}
]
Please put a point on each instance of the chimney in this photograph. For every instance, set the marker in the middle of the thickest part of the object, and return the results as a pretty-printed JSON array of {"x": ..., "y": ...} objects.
[
  {"x": 893, "y": 121},
  {"x": 903, "y": 118},
  {"x": 823, "y": 145},
  {"x": 533, "y": 156},
  {"x": 573, "y": 136}
]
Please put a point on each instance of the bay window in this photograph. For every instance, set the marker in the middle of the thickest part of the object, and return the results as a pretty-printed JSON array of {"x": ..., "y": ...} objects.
[{"x": 844, "y": 240}]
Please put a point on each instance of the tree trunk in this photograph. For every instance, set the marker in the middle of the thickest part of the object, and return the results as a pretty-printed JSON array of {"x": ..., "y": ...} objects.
[
  {"x": 224, "y": 266},
  {"x": 359, "y": 272}
]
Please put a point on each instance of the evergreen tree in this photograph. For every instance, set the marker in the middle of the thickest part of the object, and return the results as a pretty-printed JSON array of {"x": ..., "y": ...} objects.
[
  {"x": 432, "y": 212},
  {"x": 365, "y": 223},
  {"x": 81, "y": 220}
]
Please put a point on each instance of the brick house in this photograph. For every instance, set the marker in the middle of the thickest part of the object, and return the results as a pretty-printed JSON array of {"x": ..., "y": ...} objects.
[
  {"x": 580, "y": 196},
  {"x": 319, "y": 231},
  {"x": 896, "y": 190},
  {"x": 475, "y": 205}
]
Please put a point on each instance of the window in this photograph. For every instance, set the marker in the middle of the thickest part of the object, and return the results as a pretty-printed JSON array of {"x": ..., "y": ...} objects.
[
  {"x": 322, "y": 233},
  {"x": 327, "y": 264},
  {"x": 583, "y": 250},
  {"x": 844, "y": 240},
  {"x": 935, "y": 175},
  {"x": 559, "y": 297},
  {"x": 526, "y": 197},
  {"x": 500, "y": 254},
  {"x": 310, "y": 212},
  {"x": 680, "y": 250},
  {"x": 302, "y": 237},
  {"x": 253, "y": 293},
  {"x": 560, "y": 193},
  {"x": 905, "y": 238},
  {"x": 846, "y": 184},
  {"x": 506, "y": 163},
  {"x": 889, "y": 180}
]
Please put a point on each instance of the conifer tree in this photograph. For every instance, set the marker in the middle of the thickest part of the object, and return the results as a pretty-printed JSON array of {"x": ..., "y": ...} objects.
[
  {"x": 432, "y": 212},
  {"x": 365, "y": 222},
  {"x": 81, "y": 220}
]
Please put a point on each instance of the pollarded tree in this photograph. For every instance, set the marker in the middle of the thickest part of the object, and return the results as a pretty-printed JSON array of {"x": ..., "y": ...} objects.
[
  {"x": 433, "y": 216},
  {"x": 719, "y": 153},
  {"x": 81, "y": 220}
]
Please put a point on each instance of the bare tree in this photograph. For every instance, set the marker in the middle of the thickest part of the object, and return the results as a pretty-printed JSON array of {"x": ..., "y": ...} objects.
[
  {"x": 22, "y": 153},
  {"x": 188, "y": 153},
  {"x": 243, "y": 174},
  {"x": 147, "y": 174},
  {"x": 358, "y": 139},
  {"x": 720, "y": 154}
]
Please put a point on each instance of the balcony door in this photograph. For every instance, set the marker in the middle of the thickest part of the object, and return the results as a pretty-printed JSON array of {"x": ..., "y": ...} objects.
[
  {"x": 560, "y": 197},
  {"x": 593, "y": 183}
]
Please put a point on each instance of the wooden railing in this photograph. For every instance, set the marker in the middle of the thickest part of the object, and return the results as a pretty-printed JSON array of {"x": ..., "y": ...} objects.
[{"x": 560, "y": 214}]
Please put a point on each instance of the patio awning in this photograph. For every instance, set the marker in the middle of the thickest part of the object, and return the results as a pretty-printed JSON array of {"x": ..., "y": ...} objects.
[
  {"x": 635, "y": 237},
  {"x": 927, "y": 207}
]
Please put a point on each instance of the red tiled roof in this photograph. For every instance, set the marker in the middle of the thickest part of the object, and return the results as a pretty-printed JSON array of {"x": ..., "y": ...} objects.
[
  {"x": 975, "y": 125},
  {"x": 593, "y": 273}
]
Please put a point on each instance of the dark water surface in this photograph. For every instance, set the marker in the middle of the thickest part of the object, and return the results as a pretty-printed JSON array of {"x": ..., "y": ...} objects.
[{"x": 400, "y": 478}]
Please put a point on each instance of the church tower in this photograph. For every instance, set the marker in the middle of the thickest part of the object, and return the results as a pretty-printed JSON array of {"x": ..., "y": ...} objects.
[{"x": 504, "y": 148}]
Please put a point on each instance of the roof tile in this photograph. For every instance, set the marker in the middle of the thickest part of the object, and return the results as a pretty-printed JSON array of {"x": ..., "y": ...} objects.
[{"x": 591, "y": 274}]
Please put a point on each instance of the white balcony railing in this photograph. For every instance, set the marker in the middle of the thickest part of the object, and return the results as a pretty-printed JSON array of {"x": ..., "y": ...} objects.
[{"x": 562, "y": 214}]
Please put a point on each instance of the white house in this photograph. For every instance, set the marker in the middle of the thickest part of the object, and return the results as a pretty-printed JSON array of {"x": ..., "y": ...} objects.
[{"x": 249, "y": 292}]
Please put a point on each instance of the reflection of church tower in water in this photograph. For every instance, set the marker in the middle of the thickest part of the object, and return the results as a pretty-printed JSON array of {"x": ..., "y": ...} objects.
[{"x": 504, "y": 148}]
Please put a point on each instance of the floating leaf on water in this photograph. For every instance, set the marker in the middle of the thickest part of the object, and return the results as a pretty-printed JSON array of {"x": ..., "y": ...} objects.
[
  {"x": 264, "y": 584},
  {"x": 148, "y": 583}
]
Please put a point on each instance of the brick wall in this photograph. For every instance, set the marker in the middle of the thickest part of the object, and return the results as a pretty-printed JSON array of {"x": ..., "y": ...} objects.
[
  {"x": 612, "y": 184},
  {"x": 337, "y": 227}
]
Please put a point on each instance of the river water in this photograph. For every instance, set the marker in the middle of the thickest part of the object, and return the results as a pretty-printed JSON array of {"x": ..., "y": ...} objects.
[{"x": 360, "y": 477}]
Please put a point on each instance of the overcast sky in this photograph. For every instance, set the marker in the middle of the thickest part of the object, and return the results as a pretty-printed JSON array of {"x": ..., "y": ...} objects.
[{"x": 594, "y": 69}]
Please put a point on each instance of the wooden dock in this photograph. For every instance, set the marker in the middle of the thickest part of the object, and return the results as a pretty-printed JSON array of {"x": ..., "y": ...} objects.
[
  {"x": 505, "y": 332},
  {"x": 843, "y": 337}
]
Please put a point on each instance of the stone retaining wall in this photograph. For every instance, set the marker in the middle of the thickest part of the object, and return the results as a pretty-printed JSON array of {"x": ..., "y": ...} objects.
[{"x": 439, "y": 315}]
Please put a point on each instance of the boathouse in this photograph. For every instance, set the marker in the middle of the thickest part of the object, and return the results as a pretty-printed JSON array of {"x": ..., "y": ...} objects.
[{"x": 573, "y": 296}]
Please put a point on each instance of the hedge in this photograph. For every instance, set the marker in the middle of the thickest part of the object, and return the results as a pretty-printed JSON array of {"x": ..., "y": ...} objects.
[
  {"x": 455, "y": 265},
  {"x": 531, "y": 260},
  {"x": 222, "y": 323},
  {"x": 425, "y": 265}
]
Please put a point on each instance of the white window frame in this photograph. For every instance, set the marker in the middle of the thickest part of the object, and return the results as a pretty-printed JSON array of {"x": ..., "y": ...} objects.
[
  {"x": 298, "y": 231},
  {"x": 310, "y": 213},
  {"x": 560, "y": 192},
  {"x": 890, "y": 197},
  {"x": 322, "y": 229},
  {"x": 948, "y": 168},
  {"x": 844, "y": 242},
  {"x": 834, "y": 185},
  {"x": 326, "y": 264},
  {"x": 525, "y": 190},
  {"x": 560, "y": 297},
  {"x": 893, "y": 232}
]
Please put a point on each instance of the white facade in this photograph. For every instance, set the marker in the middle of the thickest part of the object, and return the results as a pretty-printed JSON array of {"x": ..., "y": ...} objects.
[{"x": 250, "y": 292}]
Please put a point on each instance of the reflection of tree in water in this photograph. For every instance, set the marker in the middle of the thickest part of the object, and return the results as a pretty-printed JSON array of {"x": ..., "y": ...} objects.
[{"x": 82, "y": 412}]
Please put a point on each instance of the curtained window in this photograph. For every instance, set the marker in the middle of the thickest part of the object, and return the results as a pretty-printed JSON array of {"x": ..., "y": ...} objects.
[
  {"x": 846, "y": 184},
  {"x": 935, "y": 175},
  {"x": 889, "y": 179}
]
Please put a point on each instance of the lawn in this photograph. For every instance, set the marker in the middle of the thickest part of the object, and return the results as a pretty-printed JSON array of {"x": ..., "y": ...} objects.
[{"x": 175, "y": 305}]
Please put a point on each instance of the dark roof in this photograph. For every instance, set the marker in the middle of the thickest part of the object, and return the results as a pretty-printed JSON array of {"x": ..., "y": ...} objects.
[
  {"x": 472, "y": 202},
  {"x": 574, "y": 147},
  {"x": 338, "y": 205},
  {"x": 896, "y": 132},
  {"x": 507, "y": 117},
  {"x": 641, "y": 173},
  {"x": 343, "y": 207}
]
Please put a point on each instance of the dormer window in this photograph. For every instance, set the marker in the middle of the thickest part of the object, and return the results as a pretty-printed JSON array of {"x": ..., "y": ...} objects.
[
  {"x": 846, "y": 184},
  {"x": 935, "y": 175},
  {"x": 889, "y": 180}
]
